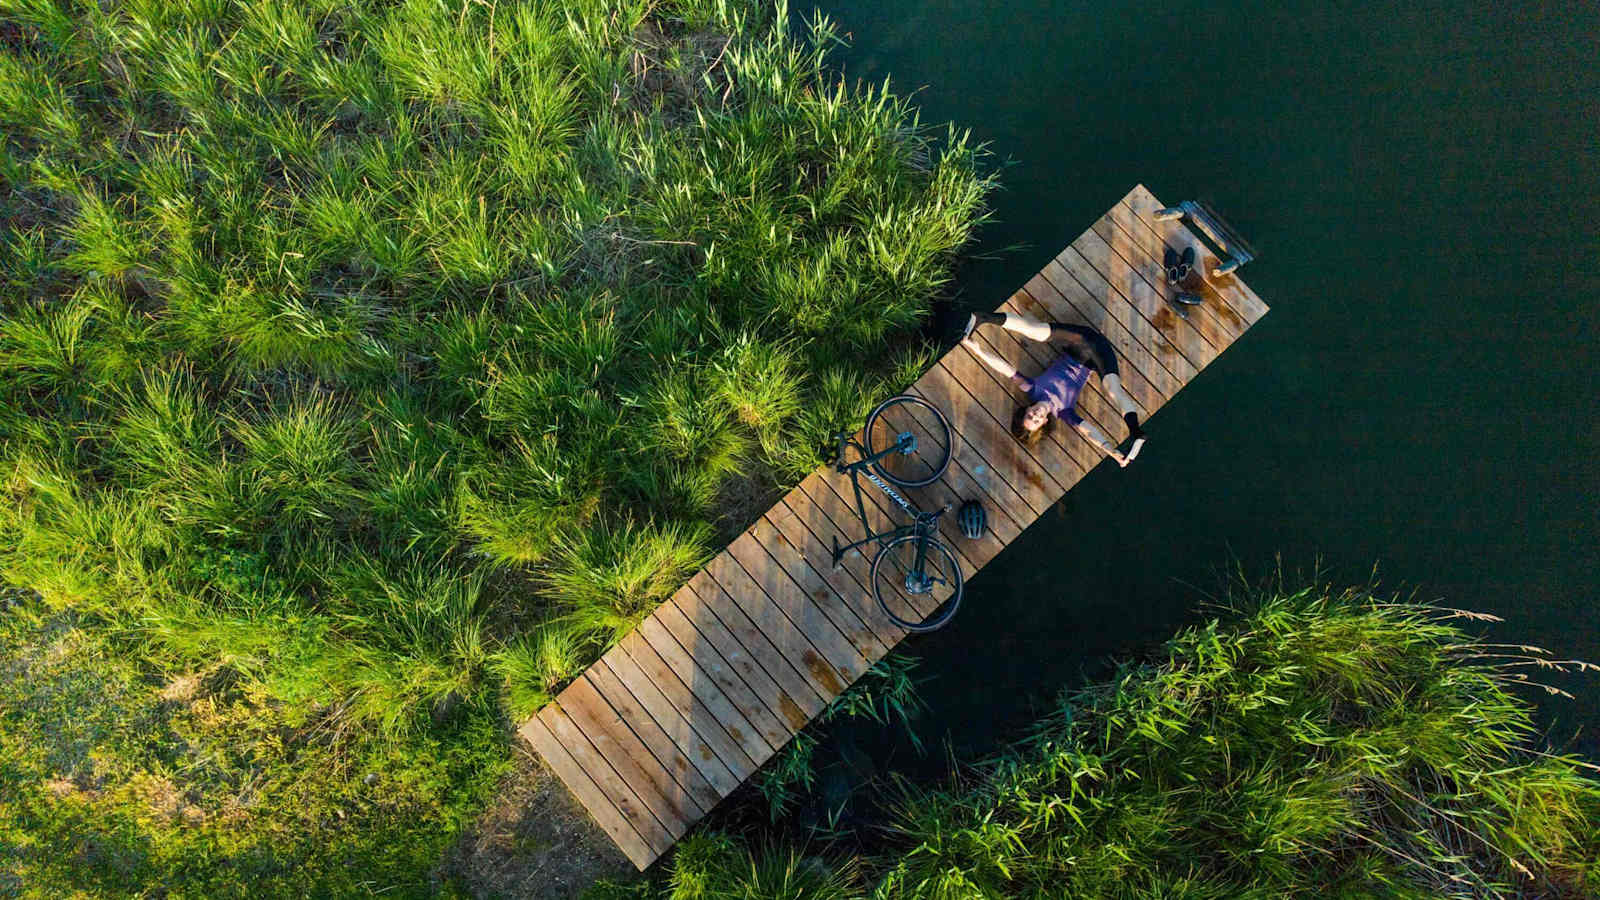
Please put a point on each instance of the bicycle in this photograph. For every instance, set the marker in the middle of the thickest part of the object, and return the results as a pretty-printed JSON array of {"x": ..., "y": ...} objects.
[{"x": 913, "y": 570}]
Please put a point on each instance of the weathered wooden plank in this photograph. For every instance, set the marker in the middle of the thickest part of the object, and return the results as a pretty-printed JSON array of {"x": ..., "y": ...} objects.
[
  {"x": 760, "y": 709},
  {"x": 1146, "y": 252},
  {"x": 1231, "y": 288},
  {"x": 691, "y": 621},
  {"x": 654, "y": 786},
  {"x": 851, "y": 651},
  {"x": 787, "y": 557},
  {"x": 1148, "y": 266},
  {"x": 712, "y": 689},
  {"x": 669, "y": 771},
  {"x": 761, "y": 647},
  {"x": 710, "y": 748},
  {"x": 957, "y": 477},
  {"x": 691, "y": 761},
  {"x": 613, "y": 789},
  {"x": 743, "y": 752},
  {"x": 607, "y": 813},
  {"x": 1090, "y": 254},
  {"x": 791, "y": 638},
  {"x": 803, "y": 526}
]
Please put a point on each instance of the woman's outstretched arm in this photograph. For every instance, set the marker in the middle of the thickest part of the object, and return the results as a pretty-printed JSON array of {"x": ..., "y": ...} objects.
[
  {"x": 1005, "y": 369},
  {"x": 1099, "y": 438}
]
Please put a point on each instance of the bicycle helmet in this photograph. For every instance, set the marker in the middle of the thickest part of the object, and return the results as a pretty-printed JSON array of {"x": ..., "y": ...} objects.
[{"x": 972, "y": 519}]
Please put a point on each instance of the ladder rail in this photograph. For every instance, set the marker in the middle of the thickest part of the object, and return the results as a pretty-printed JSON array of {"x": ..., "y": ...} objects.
[{"x": 1209, "y": 224}]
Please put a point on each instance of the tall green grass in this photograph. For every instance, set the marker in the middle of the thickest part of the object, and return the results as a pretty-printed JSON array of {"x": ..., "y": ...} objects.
[
  {"x": 886, "y": 694},
  {"x": 1319, "y": 744},
  {"x": 1307, "y": 743},
  {"x": 397, "y": 353}
]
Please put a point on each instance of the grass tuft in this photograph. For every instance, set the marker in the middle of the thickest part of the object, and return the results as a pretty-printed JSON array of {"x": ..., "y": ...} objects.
[
  {"x": 1315, "y": 741},
  {"x": 394, "y": 355}
]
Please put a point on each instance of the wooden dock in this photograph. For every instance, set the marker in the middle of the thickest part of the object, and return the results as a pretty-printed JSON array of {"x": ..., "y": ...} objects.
[{"x": 715, "y": 681}]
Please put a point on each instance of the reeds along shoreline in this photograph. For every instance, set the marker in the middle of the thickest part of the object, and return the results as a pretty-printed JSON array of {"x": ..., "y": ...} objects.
[
  {"x": 406, "y": 354},
  {"x": 1309, "y": 742}
]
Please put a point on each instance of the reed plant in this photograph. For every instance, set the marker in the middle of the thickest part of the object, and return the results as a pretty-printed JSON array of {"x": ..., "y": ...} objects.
[
  {"x": 1303, "y": 743},
  {"x": 1319, "y": 743},
  {"x": 885, "y": 694},
  {"x": 397, "y": 353}
]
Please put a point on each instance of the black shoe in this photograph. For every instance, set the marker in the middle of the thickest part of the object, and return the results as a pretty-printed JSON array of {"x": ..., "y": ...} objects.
[
  {"x": 1169, "y": 258},
  {"x": 1185, "y": 263},
  {"x": 1134, "y": 431},
  {"x": 982, "y": 318}
]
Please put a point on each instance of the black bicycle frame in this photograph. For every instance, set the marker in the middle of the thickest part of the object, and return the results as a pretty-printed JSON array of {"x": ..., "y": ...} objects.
[{"x": 923, "y": 524}]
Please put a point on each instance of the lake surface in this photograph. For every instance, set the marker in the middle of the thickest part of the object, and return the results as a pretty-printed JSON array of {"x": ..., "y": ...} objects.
[{"x": 1421, "y": 184}]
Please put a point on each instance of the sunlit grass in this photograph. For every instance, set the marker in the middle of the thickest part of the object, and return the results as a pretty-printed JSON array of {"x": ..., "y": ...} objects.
[
  {"x": 398, "y": 353},
  {"x": 1303, "y": 743},
  {"x": 1325, "y": 743}
]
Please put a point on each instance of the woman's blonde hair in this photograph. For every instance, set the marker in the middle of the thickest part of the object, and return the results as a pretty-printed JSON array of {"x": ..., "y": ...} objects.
[{"x": 1029, "y": 438}]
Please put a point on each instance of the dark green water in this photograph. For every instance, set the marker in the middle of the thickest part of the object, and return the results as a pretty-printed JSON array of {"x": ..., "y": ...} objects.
[{"x": 1421, "y": 183}]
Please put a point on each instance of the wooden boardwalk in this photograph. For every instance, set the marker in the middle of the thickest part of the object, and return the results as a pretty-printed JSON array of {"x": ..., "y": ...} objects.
[{"x": 714, "y": 682}]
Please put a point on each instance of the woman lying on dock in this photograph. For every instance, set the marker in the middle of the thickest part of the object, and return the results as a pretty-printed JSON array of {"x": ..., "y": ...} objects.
[{"x": 1054, "y": 392}]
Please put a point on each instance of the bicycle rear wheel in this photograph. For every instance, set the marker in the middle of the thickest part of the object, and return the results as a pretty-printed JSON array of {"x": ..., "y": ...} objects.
[
  {"x": 916, "y": 599},
  {"x": 929, "y": 453}
]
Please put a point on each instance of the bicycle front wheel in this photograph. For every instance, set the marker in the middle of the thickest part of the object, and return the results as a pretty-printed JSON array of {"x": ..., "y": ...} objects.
[
  {"x": 923, "y": 458},
  {"x": 917, "y": 597}
]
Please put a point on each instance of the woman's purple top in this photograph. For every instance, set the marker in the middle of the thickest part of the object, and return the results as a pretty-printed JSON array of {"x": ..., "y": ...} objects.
[{"x": 1057, "y": 386}]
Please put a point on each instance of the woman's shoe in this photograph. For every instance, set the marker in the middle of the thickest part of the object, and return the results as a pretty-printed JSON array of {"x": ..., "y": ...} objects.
[
  {"x": 1185, "y": 263},
  {"x": 982, "y": 318}
]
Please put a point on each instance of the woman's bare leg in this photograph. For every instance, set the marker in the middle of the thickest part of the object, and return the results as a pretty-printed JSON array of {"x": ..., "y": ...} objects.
[
  {"x": 1032, "y": 329},
  {"x": 1130, "y": 413},
  {"x": 1113, "y": 385}
]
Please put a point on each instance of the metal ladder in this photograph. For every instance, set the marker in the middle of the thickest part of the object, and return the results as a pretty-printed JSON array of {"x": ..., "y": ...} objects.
[{"x": 1228, "y": 244}]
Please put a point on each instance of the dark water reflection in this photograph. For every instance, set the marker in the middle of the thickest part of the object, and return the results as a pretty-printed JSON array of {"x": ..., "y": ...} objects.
[{"x": 1421, "y": 183}]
